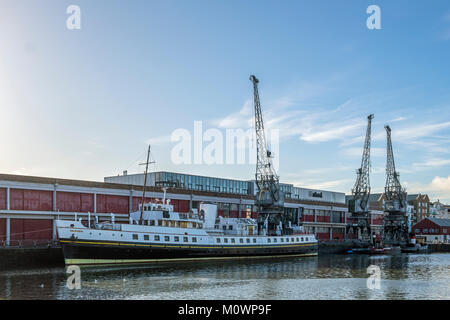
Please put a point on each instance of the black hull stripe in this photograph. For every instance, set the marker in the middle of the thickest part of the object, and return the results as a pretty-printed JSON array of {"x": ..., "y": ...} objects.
[{"x": 183, "y": 246}]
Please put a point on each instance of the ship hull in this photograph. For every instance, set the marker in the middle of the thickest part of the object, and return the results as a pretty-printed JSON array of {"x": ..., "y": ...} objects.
[{"x": 87, "y": 253}]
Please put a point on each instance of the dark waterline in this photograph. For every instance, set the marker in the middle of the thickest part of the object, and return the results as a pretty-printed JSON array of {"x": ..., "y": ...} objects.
[{"x": 403, "y": 276}]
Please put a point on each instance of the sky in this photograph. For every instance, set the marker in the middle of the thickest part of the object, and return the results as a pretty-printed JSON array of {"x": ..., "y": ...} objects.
[{"x": 85, "y": 103}]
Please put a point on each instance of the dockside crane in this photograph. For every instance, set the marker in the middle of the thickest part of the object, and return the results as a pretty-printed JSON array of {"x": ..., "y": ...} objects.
[
  {"x": 395, "y": 224},
  {"x": 358, "y": 205},
  {"x": 269, "y": 197}
]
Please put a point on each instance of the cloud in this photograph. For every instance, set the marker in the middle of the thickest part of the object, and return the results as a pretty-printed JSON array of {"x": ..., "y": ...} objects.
[
  {"x": 327, "y": 185},
  {"x": 240, "y": 119},
  {"x": 336, "y": 133},
  {"x": 438, "y": 188},
  {"x": 409, "y": 133},
  {"x": 301, "y": 114},
  {"x": 357, "y": 152},
  {"x": 431, "y": 163}
]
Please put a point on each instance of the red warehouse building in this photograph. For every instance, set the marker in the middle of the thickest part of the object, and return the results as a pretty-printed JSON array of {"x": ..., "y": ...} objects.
[{"x": 433, "y": 230}]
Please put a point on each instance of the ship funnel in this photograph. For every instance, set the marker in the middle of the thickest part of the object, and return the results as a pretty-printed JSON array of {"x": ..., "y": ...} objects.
[{"x": 209, "y": 213}]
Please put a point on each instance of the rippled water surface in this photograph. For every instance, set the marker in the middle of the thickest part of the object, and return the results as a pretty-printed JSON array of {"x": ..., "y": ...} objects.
[{"x": 403, "y": 276}]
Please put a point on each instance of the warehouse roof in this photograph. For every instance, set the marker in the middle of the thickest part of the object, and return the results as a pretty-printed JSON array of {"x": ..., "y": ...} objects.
[{"x": 440, "y": 222}]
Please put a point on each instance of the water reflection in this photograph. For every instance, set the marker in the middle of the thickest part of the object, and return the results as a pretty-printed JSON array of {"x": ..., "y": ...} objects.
[{"x": 424, "y": 276}]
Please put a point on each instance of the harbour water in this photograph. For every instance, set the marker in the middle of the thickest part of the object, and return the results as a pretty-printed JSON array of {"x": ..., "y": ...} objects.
[{"x": 402, "y": 276}]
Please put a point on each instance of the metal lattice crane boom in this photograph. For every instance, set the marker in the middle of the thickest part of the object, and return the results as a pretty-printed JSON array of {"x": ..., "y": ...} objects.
[
  {"x": 395, "y": 222},
  {"x": 267, "y": 180},
  {"x": 269, "y": 198},
  {"x": 394, "y": 193},
  {"x": 361, "y": 189}
]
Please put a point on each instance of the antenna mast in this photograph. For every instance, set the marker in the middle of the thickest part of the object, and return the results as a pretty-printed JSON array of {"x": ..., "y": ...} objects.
[{"x": 145, "y": 183}]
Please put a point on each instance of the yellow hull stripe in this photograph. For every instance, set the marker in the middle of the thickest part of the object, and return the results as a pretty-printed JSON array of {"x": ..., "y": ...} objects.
[
  {"x": 133, "y": 261},
  {"x": 200, "y": 247}
]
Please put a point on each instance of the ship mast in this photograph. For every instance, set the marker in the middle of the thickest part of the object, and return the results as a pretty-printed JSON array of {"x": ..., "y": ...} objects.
[{"x": 145, "y": 183}]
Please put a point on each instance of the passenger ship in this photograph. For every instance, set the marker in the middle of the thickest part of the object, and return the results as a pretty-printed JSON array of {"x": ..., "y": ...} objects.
[{"x": 158, "y": 234}]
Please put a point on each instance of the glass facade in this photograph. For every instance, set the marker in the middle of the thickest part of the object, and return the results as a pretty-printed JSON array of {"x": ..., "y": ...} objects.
[{"x": 200, "y": 183}]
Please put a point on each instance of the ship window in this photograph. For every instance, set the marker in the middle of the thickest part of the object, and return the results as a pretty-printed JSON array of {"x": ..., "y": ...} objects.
[
  {"x": 166, "y": 214},
  {"x": 248, "y": 240},
  {"x": 241, "y": 240},
  {"x": 200, "y": 226},
  {"x": 230, "y": 228},
  {"x": 218, "y": 240},
  {"x": 146, "y": 237},
  {"x": 152, "y": 222},
  {"x": 306, "y": 239},
  {"x": 194, "y": 239},
  {"x": 160, "y": 223},
  {"x": 287, "y": 239},
  {"x": 225, "y": 240},
  {"x": 275, "y": 240},
  {"x": 233, "y": 240},
  {"x": 292, "y": 239},
  {"x": 298, "y": 240},
  {"x": 254, "y": 240},
  {"x": 156, "y": 238},
  {"x": 224, "y": 227},
  {"x": 282, "y": 240},
  {"x": 185, "y": 239},
  {"x": 268, "y": 240},
  {"x": 166, "y": 238},
  {"x": 302, "y": 239},
  {"x": 176, "y": 239},
  {"x": 135, "y": 237}
]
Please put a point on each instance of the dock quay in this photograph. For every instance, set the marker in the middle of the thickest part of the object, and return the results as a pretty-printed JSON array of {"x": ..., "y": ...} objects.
[{"x": 27, "y": 255}]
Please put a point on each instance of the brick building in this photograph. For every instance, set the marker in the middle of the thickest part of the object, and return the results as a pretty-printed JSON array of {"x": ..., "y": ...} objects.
[{"x": 433, "y": 230}]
